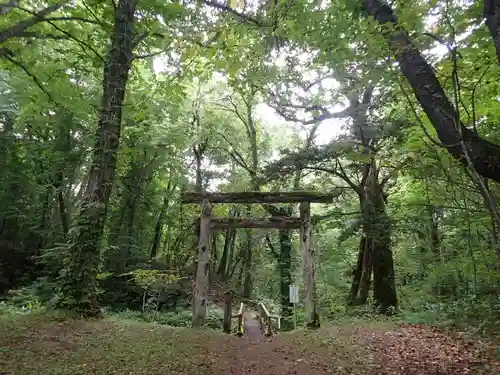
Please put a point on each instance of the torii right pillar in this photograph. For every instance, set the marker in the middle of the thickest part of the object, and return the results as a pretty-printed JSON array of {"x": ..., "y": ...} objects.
[{"x": 312, "y": 317}]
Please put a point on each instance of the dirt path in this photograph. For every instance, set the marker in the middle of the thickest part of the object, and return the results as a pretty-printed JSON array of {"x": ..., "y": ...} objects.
[
  {"x": 403, "y": 350},
  {"x": 252, "y": 326},
  {"x": 260, "y": 355}
]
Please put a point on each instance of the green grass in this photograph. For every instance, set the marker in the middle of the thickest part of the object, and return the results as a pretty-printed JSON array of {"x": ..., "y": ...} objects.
[
  {"x": 49, "y": 344},
  {"x": 39, "y": 345}
]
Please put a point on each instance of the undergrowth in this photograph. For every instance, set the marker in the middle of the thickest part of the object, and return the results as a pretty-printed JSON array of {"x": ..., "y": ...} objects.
[{"x": 178, "y": 318}]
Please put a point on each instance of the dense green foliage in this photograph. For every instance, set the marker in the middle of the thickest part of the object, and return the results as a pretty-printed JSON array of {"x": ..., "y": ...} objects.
[{"x": 109, "y": 111}]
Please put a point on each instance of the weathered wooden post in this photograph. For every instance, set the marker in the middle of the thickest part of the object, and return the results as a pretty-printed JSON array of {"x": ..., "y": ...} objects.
[
  {"x": 240, "y": 320},
  {"x": 269, "y": 326},
  {"x": 202, "y": 271},
  {"x": 228, "y": 311},
  {"x": 312, "y": 317}
]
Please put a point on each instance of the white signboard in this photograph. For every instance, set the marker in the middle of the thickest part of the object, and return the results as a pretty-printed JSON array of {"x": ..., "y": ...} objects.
[{"x": 294, "y": 294}]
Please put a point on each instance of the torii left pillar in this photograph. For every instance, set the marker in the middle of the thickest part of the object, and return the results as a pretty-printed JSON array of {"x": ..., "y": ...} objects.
[{"x": 203, "y": 268}]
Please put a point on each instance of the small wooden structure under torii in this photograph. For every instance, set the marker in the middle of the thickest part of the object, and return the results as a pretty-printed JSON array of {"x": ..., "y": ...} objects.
[{"x": 208, "y": 224}]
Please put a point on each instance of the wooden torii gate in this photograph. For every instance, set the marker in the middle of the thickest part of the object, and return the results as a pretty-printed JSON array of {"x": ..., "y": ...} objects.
[{"x": 209, "y": 224}]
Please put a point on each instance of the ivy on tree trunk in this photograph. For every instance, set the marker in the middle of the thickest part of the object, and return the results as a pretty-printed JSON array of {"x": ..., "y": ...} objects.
[{"x": 79, "y": 276}]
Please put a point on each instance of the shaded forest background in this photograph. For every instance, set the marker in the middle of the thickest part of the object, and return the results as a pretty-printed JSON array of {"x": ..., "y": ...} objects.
[{"x": 109, "y": 111}]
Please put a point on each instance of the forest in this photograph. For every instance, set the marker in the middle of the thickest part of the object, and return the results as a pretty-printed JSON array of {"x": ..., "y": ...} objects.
[{"x": 117, "y": 116}]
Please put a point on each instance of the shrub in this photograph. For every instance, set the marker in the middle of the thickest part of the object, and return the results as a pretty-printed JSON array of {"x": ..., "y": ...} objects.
[{"x": 180, "y": 317}]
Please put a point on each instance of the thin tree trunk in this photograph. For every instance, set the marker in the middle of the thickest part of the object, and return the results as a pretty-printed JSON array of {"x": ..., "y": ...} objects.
[
  {"x": 158, "y": 229},
  {"x": 131, "y": 234},
  {"x": 36, "y": 240},
  {"x": 63, "y": 214},
  {"x": 356, "y": 274},
  {"x": 230, "y": 268},
  {"x": 79, "y": 283},
  {"x": 229, "y": 240},
  {"x": 213, "y": 258},
  {"x": 221, "y": 270},
  {"x": 384, "y": 283},
  {"x": 285, "y": 271}
]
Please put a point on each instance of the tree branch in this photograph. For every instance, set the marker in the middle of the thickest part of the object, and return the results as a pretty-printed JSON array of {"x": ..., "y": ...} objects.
[
  {"x": 72, "y": 18},
  {"x": 152, "y": 54},
  {"x": 21, "y": 26},
  {"x": 8, "y": 56},
  {"x": 271, "y": 247},
  {"x": 234, "y": 12},
  {"x": 35, "y": 35},
  {"x": 325, "y": 113},
  {"x": 81, "y": 43},
  {"x": 234, "y": 153},
  {"x": 317, "y": 218},
  {"x": 5, "y": 8},
  {"x": 335, "y": 173},
  {"x": 289, "y": 162},
  {"x": 344, "y": 176}
]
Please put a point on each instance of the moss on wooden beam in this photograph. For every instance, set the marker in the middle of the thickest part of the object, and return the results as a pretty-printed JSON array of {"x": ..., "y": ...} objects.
[{"x": 276, "y": 222}]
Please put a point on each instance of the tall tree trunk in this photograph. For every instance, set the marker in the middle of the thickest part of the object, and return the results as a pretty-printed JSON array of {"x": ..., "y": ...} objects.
[
  {"x": 285, "y": 271},
  {"x": 484, "y": 155},
  {"x": 79, "y": 283},
  {"x": 379, "y": 244},
  {"x": 491, "y": 11}
]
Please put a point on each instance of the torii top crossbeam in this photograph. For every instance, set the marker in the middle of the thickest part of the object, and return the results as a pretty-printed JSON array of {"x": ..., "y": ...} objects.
[{"x": 258, "y": 197}]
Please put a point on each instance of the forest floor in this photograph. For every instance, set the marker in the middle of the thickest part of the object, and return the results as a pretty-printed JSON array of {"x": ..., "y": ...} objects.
[{"x": 38, "y": 345}]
